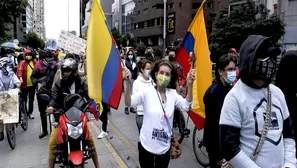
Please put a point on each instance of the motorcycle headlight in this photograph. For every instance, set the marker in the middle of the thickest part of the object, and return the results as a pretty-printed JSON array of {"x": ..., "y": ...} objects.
[{"x": 74, "y": 132}]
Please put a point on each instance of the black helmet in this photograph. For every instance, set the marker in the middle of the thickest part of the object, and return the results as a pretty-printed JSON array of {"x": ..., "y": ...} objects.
[
  {"x": 69, "y": 64},
  {"x": 46, "y": 53}
]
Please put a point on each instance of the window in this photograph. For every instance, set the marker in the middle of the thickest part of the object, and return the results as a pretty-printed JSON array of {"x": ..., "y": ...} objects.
[
  {"x": 180, "y": 4},
  {"x": 138, "y": 13},
  {"x": 196, "y": 5},
  {"x": 171, "y": 5},
  {"x": 145, "y": 1},
  {"x": 148, "y": 23},
  {"x": 152, "y": 22},
  {"x": 145, "y": 11}
]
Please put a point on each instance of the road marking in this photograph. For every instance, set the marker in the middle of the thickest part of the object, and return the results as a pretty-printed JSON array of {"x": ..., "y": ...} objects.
[
  {"x": 124, "y": 139},
  {"x": 111, "y": 149}
]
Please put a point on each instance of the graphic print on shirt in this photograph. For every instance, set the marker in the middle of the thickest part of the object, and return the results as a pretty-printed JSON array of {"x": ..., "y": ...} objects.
[
  {"x": 160, "y": 135},
  {"x": 276, "y": 126}
]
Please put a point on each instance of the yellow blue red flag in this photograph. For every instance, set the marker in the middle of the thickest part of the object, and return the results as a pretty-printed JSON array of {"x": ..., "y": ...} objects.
[
  {"x": 196, "y": 41},
  {"x": 103, "y": 61}
]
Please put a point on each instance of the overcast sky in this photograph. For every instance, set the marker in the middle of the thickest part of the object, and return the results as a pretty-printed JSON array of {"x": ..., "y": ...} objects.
[{"x": 56, "y": 17}]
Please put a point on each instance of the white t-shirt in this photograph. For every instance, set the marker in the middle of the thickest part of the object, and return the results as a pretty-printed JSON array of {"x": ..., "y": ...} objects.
[
  {"x": 155, "y": 135},
  {"x": 245, "y": 107}
]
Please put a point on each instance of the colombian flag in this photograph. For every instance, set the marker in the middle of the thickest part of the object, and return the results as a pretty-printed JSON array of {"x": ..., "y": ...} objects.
[
  {"x": 196, "y": 41},
  {"x": 103, "y": 61}
]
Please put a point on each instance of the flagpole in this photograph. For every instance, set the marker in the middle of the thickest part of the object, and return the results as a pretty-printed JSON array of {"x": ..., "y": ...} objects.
[{"x": 164, "y": 28}]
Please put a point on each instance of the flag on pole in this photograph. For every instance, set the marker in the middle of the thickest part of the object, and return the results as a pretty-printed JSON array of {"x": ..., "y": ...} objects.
[
  {"x": 196, "y": 41},
  {"x": 103, "y": 61}
]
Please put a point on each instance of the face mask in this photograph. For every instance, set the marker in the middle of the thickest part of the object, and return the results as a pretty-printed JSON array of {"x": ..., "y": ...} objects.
[
  {"x": 146, "y": 73},
  {"x": 28, "y": 57},
  {"x": 69, "y": 79},
  {"x": 231, "y": 77},
  {"x": 130, "y": 56},
  {"x": 163, "y": 80},
  {"x": 265, "y": 69},
  {"x": 171, "y": 58},
  {"x": 37, "y": 56},
  {"x": 138, "y": 59}
]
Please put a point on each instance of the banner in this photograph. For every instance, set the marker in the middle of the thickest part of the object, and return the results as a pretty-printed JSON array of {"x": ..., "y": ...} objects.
[
  {"x": 171, "y": 23},
  {"x": 9, "y": 106},
  {"x": 71, "y": 43}
]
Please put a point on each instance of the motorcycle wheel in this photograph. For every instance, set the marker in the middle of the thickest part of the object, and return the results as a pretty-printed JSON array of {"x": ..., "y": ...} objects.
[
  {"x": 78, "y": 166},
  {"x": 179, "y": 123}
]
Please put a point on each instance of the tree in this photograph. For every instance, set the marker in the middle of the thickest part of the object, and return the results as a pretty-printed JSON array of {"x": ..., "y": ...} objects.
[
  {"x": 10, "y": 10},
  {"x": 128, "y": 40},
  {"x": 117, "y": 35},
  {"x": 244, "y": 20},
  {"x": 33, "y": 40}
]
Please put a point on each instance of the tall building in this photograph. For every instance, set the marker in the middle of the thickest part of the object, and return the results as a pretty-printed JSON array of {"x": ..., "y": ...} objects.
[
  {"x": 28, "y": 18},
  {"x": 271, "y": 5},
  {"x": 39, "y": 27},
  {"x": 123, "y": 15},
  {"x": 87, "y": 6},
  {"x": 289, "y": 14},
  {"x": 149, "y": 19}
]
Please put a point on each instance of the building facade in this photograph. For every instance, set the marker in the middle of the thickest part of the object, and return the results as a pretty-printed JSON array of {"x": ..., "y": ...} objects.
[
  {"x": 87, "y": 6},
  {"x": 289, "y": 14},
  {"x": 28, "y": 18},
  {"x": 149, "y": 19},
  {"x": 271, "y": 5},
  {"x": 39, "y": 27},
  {"x": 123, "y": 15}
]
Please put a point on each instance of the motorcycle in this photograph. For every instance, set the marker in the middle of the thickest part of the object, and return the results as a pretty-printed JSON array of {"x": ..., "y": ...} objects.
[{"x": 72, "y": 149}]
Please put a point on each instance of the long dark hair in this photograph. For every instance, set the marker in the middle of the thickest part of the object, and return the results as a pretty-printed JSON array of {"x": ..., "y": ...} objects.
[
  {"x": 174, "y": 77},
  {"x": 134, "y": 56}
]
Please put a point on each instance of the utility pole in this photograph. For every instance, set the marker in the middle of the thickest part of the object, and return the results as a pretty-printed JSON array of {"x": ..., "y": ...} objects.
[
  {"x": 68, "y": 16},
  {"x": 164, "y": 28},
  {"x": 80, "y": 17}
]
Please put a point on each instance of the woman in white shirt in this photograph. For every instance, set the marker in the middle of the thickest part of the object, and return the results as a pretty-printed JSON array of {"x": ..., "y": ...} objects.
[
  {"x": 143, "y": 81},
  {"x": 158, "y": 106}
]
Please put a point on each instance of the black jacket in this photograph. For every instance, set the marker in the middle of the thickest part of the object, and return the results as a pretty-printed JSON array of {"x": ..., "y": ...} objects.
[
  {"x": 213, "y": 100},
  {"x": 60, "y": 88}
]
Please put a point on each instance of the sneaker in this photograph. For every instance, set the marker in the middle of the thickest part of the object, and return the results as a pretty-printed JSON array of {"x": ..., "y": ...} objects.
[
  {"x": 102, "y": 135},
  {"x": 43, "y": 135},
  {"x": 126, "y": 110},
  {"x": 31, "y": 116},
  {"x": 1, "y": 136}
]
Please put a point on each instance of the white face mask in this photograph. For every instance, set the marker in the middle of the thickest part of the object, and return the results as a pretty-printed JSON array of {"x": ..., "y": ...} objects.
[
  {"x": 130, "y": 56},
  {"x": 146, "y": 73}
]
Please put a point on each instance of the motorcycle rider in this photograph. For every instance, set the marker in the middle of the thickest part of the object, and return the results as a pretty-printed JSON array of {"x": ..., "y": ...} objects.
[
  {"x": 70, "y": 83},
  {"x": 42, "y": 78}
]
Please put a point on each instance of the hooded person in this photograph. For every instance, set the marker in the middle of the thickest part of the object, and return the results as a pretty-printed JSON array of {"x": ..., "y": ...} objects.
[
  {"x": 288, "y": 84},
  {"x": 24, "y": 72},
  {"x": 255, "y": 125}
]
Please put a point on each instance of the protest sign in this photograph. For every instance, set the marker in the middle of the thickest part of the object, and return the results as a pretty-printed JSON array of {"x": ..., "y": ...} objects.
[
  {"x": 9, "y": 106},
  {"x": 70, "y": 42}
]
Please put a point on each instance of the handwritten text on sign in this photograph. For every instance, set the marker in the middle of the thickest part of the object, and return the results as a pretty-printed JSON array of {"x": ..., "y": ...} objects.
[{"x": 71, "y": 43}]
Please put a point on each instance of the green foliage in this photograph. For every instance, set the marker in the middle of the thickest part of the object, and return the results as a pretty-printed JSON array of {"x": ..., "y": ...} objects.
[
  {"x": 9, "y": 10},
  {"x": 126, "y": 38},
  {"x": 33, "y": 40},
  {"x": 117, "y": 36},
  {"x": 230, "y": 31},
  {"x": 140, "y": 48}
]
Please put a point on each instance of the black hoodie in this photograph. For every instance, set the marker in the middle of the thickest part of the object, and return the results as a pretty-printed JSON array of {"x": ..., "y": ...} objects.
[
  {"x": 285, "y": 80},
  {"x": 255, "y": 46}
]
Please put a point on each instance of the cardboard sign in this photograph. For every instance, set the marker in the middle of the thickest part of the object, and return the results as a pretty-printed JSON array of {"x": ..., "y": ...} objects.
[
  {"x": 9, "y": 106},
  {"x": 71, "y": 43}
]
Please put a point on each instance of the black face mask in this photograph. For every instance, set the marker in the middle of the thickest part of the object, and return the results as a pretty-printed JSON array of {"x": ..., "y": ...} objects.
[
  {"x": 4, "y": 70},
  {"x": 68, "y": 80},
  {"x": 265, "y": 70},
  {"x": 171, "y": 58}
]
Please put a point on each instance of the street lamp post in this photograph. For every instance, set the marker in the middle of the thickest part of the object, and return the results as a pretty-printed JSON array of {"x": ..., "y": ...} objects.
[{"x": 164, "y": 28}]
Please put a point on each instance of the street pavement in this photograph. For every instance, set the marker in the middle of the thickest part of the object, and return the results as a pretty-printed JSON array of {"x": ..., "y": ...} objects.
[{"x": 117, "y": 150}]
